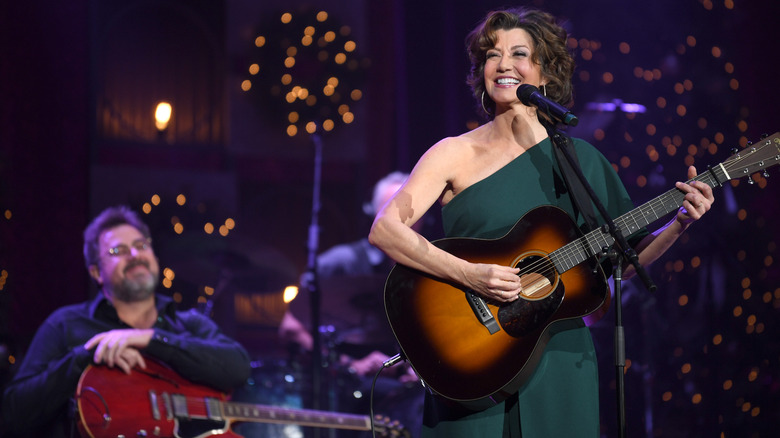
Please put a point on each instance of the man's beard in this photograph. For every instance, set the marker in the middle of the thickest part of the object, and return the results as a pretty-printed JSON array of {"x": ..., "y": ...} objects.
[{"x": 136, "y": 288}]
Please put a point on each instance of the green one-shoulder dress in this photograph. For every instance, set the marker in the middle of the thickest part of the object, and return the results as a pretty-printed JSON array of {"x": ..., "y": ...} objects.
[{"x": 561, "y": 397}]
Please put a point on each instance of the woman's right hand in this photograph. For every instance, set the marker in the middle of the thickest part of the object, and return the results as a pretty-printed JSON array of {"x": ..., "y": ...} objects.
[{"x": 494, "y": 282}]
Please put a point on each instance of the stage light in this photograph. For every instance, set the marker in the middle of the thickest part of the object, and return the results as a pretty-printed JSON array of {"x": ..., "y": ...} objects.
[
  {"x": 162, "y": 115},
  {"x": 290, "y": 292}
]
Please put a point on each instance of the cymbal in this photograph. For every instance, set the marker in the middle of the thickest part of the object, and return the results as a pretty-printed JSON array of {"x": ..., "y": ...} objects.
[
  {"x": 364, "y": 292},
  {"x": 359, "y": 342}
]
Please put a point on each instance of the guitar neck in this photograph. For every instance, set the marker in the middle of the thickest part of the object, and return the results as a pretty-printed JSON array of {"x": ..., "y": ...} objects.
[
  {"x": 593, "y": 242},
  {"x": 305, "y": 417}
]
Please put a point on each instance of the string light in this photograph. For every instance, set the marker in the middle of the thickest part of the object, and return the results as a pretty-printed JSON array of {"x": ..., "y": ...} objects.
[
  {"x": 320, "y": 71},
  {"x": 684, "y": 126}
]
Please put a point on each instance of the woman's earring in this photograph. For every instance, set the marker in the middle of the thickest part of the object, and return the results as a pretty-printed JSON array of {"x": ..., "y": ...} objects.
[
  {"x": 483, "y": 103},
  {"x": 544, "y": 90}
]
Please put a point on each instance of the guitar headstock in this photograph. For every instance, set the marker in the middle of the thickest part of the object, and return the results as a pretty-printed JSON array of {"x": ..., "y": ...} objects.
[
  {"x": 387, "y": 428},
  {"x": 754, "y": 158}
]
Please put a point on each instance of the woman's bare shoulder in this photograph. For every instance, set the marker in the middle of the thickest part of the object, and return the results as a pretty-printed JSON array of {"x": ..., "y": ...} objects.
[{"x": 463, "y": 146}]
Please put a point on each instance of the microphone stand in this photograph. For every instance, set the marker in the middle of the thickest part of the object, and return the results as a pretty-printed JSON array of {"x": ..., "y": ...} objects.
[
  {"x": 561, "y": 141},
  {"x": 313, "y": 284}
]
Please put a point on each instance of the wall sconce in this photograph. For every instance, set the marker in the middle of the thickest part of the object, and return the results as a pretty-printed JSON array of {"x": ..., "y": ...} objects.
[{"x": 162, "y": 115}]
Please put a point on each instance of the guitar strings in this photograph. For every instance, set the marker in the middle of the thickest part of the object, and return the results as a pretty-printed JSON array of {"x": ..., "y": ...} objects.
[{"x": 585, "y": 244}]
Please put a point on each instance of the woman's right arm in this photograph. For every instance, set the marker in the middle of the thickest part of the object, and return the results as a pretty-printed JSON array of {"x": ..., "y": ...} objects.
[{"x": 392, "y": 228}]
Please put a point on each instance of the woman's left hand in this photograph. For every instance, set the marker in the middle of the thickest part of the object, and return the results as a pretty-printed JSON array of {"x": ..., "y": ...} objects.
[{"x": 698, "y": 199}]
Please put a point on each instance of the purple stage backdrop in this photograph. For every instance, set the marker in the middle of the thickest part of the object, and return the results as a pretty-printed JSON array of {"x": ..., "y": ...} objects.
[{"x": 227, "y": 186}]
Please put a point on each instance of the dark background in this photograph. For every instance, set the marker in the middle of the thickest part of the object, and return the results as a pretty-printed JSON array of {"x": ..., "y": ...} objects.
[{"x": 79, "y": 81}]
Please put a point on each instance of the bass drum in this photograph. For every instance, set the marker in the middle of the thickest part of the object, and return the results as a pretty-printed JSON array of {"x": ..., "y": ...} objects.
[{"x": 272, "y": 383}]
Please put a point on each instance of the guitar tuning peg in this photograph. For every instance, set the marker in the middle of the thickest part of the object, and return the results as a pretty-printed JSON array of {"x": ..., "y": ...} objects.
[
  {"x": 734, "y": 151},
  {"x": 763, "y": 136},
  {"x": 766, "y": 173},
  {"x": 750, "y": 181}
]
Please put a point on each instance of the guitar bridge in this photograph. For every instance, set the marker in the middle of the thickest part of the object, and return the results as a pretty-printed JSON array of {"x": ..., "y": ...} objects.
[{"x": 482, "y": 312}]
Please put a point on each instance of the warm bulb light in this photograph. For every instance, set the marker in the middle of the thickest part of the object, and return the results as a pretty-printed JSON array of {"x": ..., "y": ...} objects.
[
  {"x": 162, "y": 115},
  {"x": 290, "y": 292}
]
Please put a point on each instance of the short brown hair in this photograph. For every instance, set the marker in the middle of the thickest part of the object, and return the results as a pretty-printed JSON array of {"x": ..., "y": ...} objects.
[{"x": 549, "y": 51}]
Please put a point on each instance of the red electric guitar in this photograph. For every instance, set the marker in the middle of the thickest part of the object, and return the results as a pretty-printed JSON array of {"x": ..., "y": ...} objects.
[
  {"x": 157, "y": 402},
  {"x": 477, "y": 352}
]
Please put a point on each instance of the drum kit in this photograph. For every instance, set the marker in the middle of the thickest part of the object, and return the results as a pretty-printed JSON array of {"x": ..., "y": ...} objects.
[
  {"x": 248, "y": 304},
  {"x": 351, "y": 313},
  {"x": 353, "y": 323}
]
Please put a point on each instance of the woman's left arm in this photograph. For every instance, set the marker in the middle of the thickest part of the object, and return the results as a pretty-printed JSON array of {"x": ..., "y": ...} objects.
[{"x": 697, "y": 202}]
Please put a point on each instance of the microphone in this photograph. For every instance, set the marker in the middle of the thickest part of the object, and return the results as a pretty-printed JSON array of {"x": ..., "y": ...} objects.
[{"x": 530, "y": 95}]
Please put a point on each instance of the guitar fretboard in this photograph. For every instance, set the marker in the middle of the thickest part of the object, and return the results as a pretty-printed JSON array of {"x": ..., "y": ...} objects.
[
  {"x": 593, "y": 242},
  {"x": 305, "y": 417}
]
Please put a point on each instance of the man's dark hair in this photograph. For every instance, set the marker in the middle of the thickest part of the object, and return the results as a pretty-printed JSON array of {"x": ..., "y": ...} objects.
[{"x": 107, "y": 219}]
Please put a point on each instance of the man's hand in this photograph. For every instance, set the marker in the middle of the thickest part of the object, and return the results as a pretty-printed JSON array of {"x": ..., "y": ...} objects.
[
  {"x": 120, "y": 347},
  {"x": 369, "y": 364}
]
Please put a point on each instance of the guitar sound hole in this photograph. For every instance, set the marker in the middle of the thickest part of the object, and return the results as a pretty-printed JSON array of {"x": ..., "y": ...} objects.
[
  {"x": 538, "y": 303},
  {"x": 537, "y": 276}
]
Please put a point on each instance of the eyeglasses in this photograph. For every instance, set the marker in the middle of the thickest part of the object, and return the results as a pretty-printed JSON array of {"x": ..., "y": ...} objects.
[{"x": 124, "y": 250}]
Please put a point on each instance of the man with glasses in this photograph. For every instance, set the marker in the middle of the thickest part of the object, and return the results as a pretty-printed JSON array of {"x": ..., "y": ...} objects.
[{"x": 122, "y": 325}]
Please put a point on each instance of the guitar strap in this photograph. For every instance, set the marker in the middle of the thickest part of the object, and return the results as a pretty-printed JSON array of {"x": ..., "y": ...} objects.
[{"x": 581, "y": 201}]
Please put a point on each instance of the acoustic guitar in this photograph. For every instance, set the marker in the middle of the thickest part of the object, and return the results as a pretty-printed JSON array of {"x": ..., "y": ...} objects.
[
  {"x": 157, "y": 402},
  {"x": 476, "y": 352}
]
